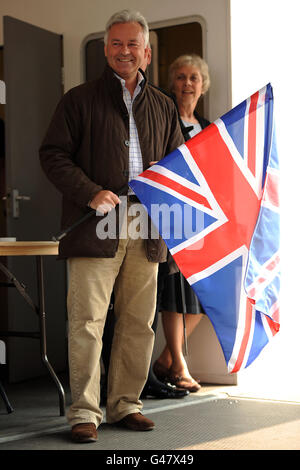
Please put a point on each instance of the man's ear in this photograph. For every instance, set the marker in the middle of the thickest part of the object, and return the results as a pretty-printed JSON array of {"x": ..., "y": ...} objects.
[{"x": 149, "y": 52}]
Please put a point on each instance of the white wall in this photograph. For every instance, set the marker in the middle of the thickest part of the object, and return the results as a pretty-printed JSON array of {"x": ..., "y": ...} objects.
[{"x": 265, "y": 48}]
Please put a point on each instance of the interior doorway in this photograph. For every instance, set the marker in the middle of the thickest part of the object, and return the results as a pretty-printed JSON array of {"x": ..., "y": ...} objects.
[
  {"x": 31, "y": 208},
  {"x": 3, "y": 292},
  {"x": 2, "y": 153},
  {"x": 167, "y": 43}
]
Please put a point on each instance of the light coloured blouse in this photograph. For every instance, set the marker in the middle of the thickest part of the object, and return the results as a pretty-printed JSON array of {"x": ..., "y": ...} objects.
[{"x": 196, "y": 128}]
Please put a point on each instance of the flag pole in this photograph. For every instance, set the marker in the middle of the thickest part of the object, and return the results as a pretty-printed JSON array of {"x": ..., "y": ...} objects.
[
  {"x": 183, "y": 312},
  {"x": 61, "y": 235},
  {"x": 87, "y": 216}
]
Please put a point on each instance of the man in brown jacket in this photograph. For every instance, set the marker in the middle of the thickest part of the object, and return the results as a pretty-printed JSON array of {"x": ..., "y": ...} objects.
[{"x": 103, "y": 134}]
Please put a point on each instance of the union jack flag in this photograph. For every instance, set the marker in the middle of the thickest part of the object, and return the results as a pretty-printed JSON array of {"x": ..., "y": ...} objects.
[{"x": 222, "y": 228}]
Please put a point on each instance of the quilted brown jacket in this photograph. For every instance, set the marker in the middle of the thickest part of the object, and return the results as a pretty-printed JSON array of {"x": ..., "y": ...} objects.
[{"x": 86, "y": 149}]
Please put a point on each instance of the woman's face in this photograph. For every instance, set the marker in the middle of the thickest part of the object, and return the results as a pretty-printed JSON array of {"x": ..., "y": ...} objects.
[{"x": 187, "y": 85}]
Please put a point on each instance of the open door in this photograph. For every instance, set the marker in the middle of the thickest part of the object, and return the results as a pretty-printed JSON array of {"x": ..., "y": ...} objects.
[{"x": 33, "y": 79}]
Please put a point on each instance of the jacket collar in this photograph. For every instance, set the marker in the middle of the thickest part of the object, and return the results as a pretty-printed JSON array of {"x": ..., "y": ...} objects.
[{"x": 113, "y": 83}]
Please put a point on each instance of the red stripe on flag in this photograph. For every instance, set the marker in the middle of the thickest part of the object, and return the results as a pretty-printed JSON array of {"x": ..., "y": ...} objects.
[
  {"x": 275, "y": 312},
  {"x": 274, "y": 327},
  {"x": 179, "y": 188},
  {"x": 273, "y": 263},
  {"x": 261, "y": 279},
  {"x": 271, "y": 193},
  {"x": 242, "y": 350},
  {"x": 252, "y": 133}
]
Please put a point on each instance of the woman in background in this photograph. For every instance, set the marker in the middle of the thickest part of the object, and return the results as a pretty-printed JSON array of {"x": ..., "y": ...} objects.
[{"x": 188, "y": 81}]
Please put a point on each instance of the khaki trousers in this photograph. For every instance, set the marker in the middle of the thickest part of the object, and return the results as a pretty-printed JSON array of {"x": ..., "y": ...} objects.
[{"x": 91, "y": 281}]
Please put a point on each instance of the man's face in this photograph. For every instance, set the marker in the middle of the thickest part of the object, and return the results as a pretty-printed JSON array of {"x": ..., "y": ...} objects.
[{"x": 125, "y": 49}]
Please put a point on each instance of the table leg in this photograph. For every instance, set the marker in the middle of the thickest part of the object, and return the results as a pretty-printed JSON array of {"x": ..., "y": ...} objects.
[
  {"x": 43, "y": 340},
  {"x": 8, "y": 406}
]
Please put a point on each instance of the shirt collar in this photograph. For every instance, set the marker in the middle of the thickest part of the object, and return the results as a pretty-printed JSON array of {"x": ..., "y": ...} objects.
[{"x": 140, "y": 79}]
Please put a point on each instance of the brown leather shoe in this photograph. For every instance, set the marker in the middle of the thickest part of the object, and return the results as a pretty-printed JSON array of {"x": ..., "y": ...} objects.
[
  {"x": 84, "y": 432},
  {"x": 136, "y": 422}
]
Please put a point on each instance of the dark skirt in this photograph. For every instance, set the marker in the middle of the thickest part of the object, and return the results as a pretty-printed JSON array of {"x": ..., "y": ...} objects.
[{"x": 171, "y": 299}]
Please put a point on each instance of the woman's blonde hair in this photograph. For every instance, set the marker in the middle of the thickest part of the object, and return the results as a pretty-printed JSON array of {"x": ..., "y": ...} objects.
[{"x": 194, "y": 60}]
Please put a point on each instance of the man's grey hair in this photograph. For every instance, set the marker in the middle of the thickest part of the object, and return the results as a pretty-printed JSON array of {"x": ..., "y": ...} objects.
[{"x": 128, "y": 16}]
